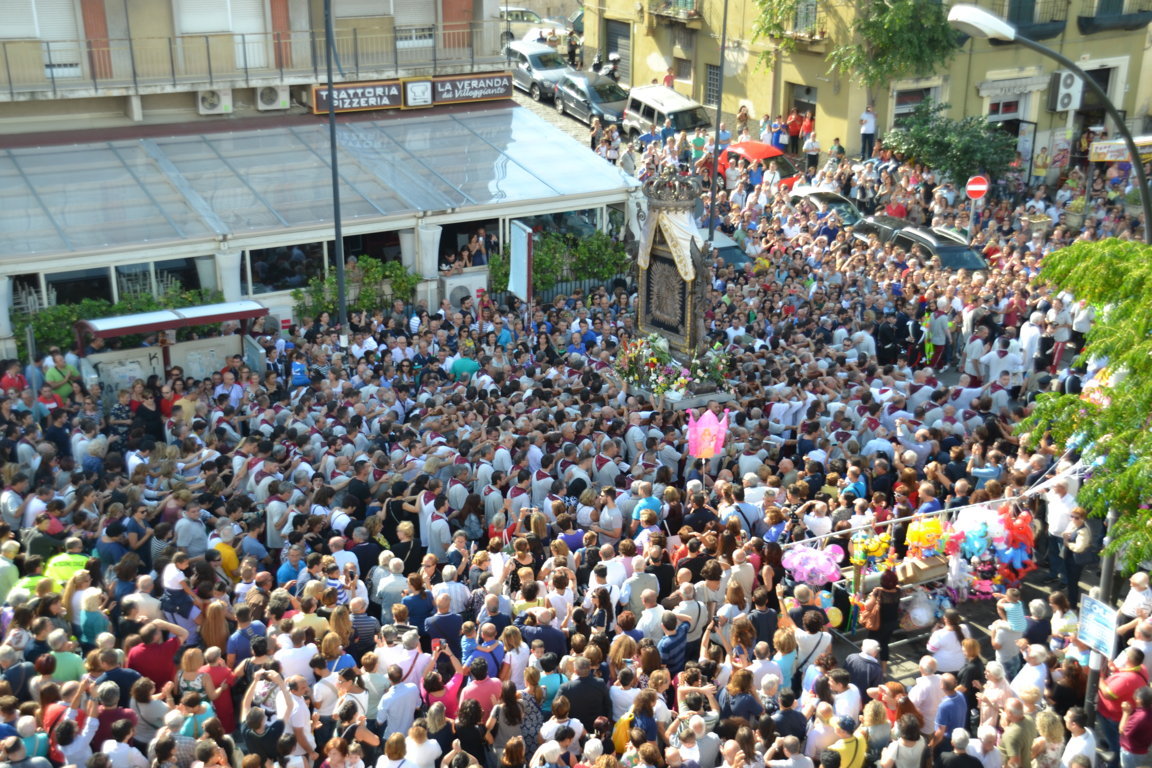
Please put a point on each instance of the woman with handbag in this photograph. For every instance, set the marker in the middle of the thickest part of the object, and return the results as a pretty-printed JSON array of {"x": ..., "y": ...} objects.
[{"x": 881, "y": 614}]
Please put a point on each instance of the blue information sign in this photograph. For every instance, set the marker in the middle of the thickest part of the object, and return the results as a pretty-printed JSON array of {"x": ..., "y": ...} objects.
[{"x": 1097, "y": 626}]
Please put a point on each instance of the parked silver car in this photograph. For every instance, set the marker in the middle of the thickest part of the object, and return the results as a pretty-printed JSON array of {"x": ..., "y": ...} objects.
[
  {"x": 536, "y": 68},
  {"x": 515, "y": 23}
]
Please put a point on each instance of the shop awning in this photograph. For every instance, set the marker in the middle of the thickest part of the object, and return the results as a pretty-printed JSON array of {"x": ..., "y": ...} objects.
[
  {"x": 1114, "y": 150},
  {"x": 171, "y": 319},
  {"x": 1016, "y": 86},
  {"x": 183, "y": 189}
]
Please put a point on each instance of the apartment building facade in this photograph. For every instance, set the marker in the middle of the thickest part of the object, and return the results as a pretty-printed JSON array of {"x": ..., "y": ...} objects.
[
  {"x": 111, "y": 61},
  {"x": 1110, "y": 39}
]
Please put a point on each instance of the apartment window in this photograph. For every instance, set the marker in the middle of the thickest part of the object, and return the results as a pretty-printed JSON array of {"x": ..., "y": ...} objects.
[
  {"x": 906, "y": 101},
  {"x": 683, "y": 69},
  {"x": 806, "y": 18},
  {"x": 1005, "y": 108},
  {"x": 284, "y": 267},
  {"x": 415, "y": 37},
  {"x": 1022, "y": 12},
  {"x": 74, "y": 286},
  {"x": 683, "y": 38},
  {"x": 19, "y": 20},
  {"x": 711, "y": 85},
  {"x": 352, "y": 9}
]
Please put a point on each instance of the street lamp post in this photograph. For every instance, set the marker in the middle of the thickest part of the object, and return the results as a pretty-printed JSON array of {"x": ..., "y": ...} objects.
[
  {"x": 978, "y": 22},
  {"x": 716, "y": 141},
  {"x": 338, "y": 239}
]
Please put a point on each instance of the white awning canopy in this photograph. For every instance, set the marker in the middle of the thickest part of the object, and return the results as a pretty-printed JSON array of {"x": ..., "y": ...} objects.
[
  {"x": 1016, "y": 86},
  {"x": 241, "y": 185},
  {"x": 170, "y": 319}
]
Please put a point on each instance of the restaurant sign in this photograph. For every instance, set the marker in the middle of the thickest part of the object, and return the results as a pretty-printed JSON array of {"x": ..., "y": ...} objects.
[{"x": 414, "y": 93}]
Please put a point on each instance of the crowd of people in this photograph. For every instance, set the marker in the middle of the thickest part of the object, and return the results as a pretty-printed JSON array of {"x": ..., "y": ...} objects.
[{"x": 450, "y": 536}]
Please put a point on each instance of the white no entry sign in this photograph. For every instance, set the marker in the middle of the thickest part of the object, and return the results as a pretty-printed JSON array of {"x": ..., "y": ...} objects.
[{"x": 977, "y": 187}]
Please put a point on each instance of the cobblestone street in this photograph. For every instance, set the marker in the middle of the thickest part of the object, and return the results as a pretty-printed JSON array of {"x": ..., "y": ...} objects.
[{"x": 547, "y": 110}]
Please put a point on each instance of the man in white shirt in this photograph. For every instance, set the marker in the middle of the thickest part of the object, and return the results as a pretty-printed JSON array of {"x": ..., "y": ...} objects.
[
  {"x": 985, "y": 749},
  {"x": 651, "y": 618},
  {"x": 1000, "y": 360},
  {"x": 617, "y": 572},
  {"x": 1142, "y": 641},
  {"x": 845, "y": 697},
  {"x": 623, "y": 693},
  {"x": 389, "y": 590},
  {"x": 408, "y": 658},
  {"x": 611, "y": 521},
  {"x": 324, "y": 698},
  {"x": 298, "y": 721},
  {"x": 294, "y": 660},
  {"x": 1136, "y": 605},
  {"x": 762, "y": 665},
  {"x": 340, "y": 555},
  {"x": 600, "y": 580},
  {"x": 1081, "y": 741},
  {"x": 974, "y": 351},
  {"x": 634, "y": 587},
  {"x": 147, "y": 606},
  {"x": 457, "y": 593},
  {"x": 1060, "y": 506},
  {"x": 867, "y": 138},
  {"x": 786, "y": 750},
  {"x": 1034, "y": 673},
  {"x": 927, "y": 693},
  {"x": 821, "y": 731},
  {"x": 119, "y": 748}
]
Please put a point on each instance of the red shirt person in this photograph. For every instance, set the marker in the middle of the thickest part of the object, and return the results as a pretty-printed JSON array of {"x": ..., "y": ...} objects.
[
  {"x": 1136, "y": 724},
  {"x": 154, "y": 657}
]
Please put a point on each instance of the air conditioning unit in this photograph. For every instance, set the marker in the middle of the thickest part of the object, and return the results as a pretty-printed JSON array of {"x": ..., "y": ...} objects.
[
  {"x": 1065, "y": 92},
  {"x": 214, "y": 102},
  {"x": 273, "y": 97}
]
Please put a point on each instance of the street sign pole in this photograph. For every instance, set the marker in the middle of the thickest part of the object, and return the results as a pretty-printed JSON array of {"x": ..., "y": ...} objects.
[
  {"x": 1097, "y": 630},
  {"x": 976, "y": 188}
]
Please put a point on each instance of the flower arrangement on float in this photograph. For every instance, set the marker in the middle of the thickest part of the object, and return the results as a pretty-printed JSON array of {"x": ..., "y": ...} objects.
[{"x": 646, "y": 363}]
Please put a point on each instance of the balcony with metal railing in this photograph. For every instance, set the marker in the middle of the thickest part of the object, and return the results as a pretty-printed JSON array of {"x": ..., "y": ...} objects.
[
  {"x": 686, "y": 11},
  {"x": 36, "y": 69},
  {"x": 1105, "y": 15},
  {"x": 1037, "y": 19},
  {"x": 810, "y": 24}
]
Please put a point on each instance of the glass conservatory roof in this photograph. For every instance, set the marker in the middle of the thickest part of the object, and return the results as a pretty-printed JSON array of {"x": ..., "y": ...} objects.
[{"x": 129, "y": 193}]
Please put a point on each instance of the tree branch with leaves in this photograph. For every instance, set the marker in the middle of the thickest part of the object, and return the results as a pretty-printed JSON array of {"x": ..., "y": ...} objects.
[
  {"x": 874, "y": 41},
  {"x": 1110, "y": 425},
  {"x": 957, "y": 149}
]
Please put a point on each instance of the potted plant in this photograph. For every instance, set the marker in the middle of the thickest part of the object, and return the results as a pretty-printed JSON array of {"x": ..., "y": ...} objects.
[
  {"x": 1038, "y": 223},
  {"x": 1074, "y": 213},
  {"x": 1133, "y": 205}
]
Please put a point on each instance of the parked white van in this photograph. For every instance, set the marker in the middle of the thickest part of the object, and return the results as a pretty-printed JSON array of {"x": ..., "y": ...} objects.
[{"x": 650, "y": 105}]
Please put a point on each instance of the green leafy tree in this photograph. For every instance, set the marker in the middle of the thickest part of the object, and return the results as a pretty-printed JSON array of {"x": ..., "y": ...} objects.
[
  {"x": 557, "y": 257},
  {"x": 1110, "y": 426},
  {"x": 499, "y": 269},
  {"x": 599, "y": 256},
  {"x": 550, "y": 257},
  {"x": 373, "y": 285},
  {"x": 873, "y": 42},
  {"x": 958, "y": 149}
]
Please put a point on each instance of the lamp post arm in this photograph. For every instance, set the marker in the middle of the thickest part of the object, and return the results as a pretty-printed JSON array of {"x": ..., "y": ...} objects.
[{"x": 1117, "y": 118}]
